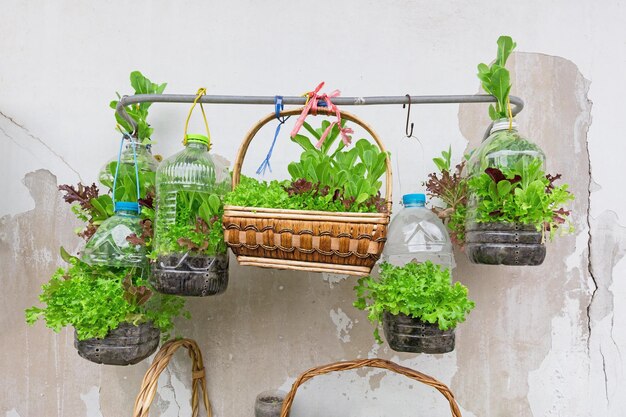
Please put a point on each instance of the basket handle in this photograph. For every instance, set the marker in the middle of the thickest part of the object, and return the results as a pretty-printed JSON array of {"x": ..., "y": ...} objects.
[
  {"x": 373, "y": 363},
  {"x": 243, "y": 149},
  {"x": 161, "y": 360}
]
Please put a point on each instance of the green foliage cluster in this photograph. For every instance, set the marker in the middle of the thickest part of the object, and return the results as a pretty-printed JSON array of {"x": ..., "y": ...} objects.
[
  {"x": 197, "y": 226},
  {"x": 451, "y": 188},
  {"x": 337, "y": 180},
  {"x": 420, "y": 290},
  {"x": 522, "y": 193},
  {"x": 96, "y": 299},
  {"x": 139, "y": 112},
  {"x": 496, "y": 79}
]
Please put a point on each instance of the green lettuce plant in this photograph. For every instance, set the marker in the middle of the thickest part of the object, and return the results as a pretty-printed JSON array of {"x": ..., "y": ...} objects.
[
  {"x": 450, "y": 186},
  {"x": 138, "y": 112},
  {"x": 197, "y": 226},
  {"x": 419, "y": 290},
  {"x": 496, "y": 80},
  {"x": 95, "y": 299},
  {"x": 323, "y": 179},
  {"x": 523, "y": 194}
]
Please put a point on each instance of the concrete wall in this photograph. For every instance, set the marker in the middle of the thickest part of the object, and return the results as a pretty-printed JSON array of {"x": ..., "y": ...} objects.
[{"x": 542, "y": 341}]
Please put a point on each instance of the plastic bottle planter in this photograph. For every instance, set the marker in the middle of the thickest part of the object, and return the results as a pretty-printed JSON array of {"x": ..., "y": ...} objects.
[
  {"x": 191, "y": 255},
  {"x": 494, "y": 242},
  {"x": 110, "y": 246},
  {"x": 408, "y": 334},
  {"x": 125, "y": 345},
  {"x": 504, "y": 244},
  {"x": 269, "y": 403}
]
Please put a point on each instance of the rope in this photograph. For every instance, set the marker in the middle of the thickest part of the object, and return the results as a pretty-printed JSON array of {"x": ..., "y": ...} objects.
[
  {"x": 201, "y": 92},
  {"x": 161, "y": 360},
  {"x": 279, "y": 106}
]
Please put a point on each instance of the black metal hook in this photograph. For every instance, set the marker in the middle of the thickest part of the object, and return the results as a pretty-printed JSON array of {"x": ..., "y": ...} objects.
[{"x": 408, "y": 116}]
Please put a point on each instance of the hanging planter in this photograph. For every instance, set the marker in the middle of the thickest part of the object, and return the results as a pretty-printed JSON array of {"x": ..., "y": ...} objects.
[
  {"x": 328, "y": 218},
  {"x": 125, "y": 345},
  {"x": 189, "y": 254},
  {"x": 103, "y": 293},
  {"x": 417, "y": 305},
  {"x": 500, "y": 205}
]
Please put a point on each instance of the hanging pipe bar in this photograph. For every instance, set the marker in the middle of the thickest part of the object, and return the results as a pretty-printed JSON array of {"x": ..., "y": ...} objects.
[{"x": 516, "y": 102}]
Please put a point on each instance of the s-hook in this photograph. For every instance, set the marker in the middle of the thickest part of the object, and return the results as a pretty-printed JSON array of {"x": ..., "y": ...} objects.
[{"x": 408, "y": 115}]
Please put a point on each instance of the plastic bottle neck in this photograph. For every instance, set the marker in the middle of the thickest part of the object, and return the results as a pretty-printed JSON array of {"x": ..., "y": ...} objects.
[
  {"x": 503, "y": 124},
  {"x": 197, "y": 146},
  {"x": 415, "y": 205},
  {"x": 126, "y": 213}
]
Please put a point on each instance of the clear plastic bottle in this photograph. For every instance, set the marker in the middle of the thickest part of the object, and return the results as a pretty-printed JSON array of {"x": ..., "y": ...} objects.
[
  {"x": 416, "y": 233},
  {"x": 110, "y": 246},
  {"x": 505, "y": 154},
  {"x": 191, "y": 257},
  {"x": 146, "y": 163}
]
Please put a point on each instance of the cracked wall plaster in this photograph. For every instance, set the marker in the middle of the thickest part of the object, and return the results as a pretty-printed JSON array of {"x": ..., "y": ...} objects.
[
  {"x": 512, "y": 328},
  {"x": 271, "y": 325}
]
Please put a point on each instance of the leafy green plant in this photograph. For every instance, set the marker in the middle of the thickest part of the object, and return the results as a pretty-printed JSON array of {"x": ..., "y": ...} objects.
[
  {"x": 96, "y": 299},
  {"x": 521, "y": 194},
  {"x": 451, "y": 188},
  {"x": 420, "y": 290},
  {"x": 138, "y": 112},
  {"x": 197, "y": 226},
  {"x": 322, "y": 179},
  {"x": 496, "y": 80}
]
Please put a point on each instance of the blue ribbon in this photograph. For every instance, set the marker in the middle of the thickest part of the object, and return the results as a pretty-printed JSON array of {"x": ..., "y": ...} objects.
[
  {"x": 278, "y": 102},
  {"x": 117, "y": 167}
]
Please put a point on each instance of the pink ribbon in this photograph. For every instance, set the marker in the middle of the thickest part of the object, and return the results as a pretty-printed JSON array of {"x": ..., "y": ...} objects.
[{"x": 311, "y": 107}]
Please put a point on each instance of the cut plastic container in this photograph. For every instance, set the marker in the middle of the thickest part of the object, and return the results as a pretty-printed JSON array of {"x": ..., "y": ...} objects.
[
  {"x": 498, "y": 243},
  {"x": 416, "y": 233},
  {"x": 189, "y": 193},
  {"x": 110, "y": 246}
]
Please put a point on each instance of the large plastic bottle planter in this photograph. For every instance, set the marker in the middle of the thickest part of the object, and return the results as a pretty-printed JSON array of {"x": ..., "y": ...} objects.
[{"x": 191, "y": 275}]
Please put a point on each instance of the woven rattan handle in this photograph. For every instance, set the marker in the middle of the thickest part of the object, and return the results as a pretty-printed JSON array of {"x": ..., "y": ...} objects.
[
  {"x": 243, "y": 149},
  {"x": 161, "y": 360},
  {"x": 373, "y": 363}
]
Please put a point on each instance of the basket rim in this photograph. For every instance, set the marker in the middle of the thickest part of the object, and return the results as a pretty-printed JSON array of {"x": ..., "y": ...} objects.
[{"x": 305, "y": 212}]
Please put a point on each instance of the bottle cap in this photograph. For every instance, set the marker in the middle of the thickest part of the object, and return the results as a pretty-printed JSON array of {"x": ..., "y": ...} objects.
[
  {"x": 195, "y": 138},
  {"x": 414, "y": 199},
  {"x": 127, "y": 206}
]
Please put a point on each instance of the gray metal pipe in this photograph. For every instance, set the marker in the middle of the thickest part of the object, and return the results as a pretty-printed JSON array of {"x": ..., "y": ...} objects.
[{"x": 516, "y": 102}]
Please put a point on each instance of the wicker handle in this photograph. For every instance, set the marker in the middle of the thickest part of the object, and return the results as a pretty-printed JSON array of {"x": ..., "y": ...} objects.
[
  {"x": 161, "y": 360},
  {"x": 243, "y": 149},
  {"x": 374, "y": 363}
]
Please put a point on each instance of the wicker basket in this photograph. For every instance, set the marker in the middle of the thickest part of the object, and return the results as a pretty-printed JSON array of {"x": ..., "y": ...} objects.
[
  {"x": 161, "y": 360},
  {"x": 373, "y": 363},
  {"x": 317, "y": 241}
]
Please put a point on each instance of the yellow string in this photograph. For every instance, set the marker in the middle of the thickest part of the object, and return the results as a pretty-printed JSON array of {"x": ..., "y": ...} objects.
[
  {"x": 508, "y": 104},
  {"x": 201, "y": 92},
  {"x": 308, "y": 97}
]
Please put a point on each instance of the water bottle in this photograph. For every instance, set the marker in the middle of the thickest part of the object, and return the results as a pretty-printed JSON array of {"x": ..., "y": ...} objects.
[
  {"x": 190, "y": 254},
  {"x": 416, "y": 233}
]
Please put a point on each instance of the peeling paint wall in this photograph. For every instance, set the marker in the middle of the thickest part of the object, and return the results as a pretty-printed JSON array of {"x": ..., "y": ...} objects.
[{"x": 542, "y": 341}]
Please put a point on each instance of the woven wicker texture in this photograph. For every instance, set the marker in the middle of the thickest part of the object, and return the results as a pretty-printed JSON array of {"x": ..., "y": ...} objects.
[
  {"x": 161, "y": 360},
  {"x": 373, "y": 363},
  {"x": 306, "y": 240}
]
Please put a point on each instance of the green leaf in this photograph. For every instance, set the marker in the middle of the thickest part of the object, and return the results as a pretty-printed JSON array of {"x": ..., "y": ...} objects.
[{"x": 304, "y": 142}]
